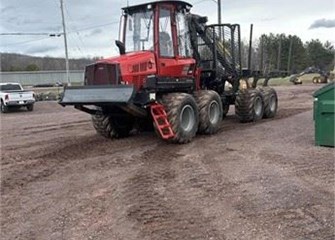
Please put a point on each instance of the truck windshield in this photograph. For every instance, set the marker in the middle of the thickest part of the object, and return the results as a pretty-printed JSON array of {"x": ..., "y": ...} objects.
[
  {"x": 139, "y": 31},
  {"x": 10, "y": 87}
]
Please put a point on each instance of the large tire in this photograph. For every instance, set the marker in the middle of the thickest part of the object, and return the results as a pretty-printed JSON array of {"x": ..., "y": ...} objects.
[
  {"x": 183, "y": 116},
  {"x": 270, "y": 101},
  {"x": 112, "y": 127},
  {"x": 315, "y": 80},
  {"x": 3, "y": 107},
  {"x": 210, "y": 111},
  {"x": 249, "y": 105},
  {"x": 30, "y": 107}
]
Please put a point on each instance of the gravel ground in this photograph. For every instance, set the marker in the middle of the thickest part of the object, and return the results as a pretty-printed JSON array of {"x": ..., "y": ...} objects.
[{"x": 264, "y": 180}]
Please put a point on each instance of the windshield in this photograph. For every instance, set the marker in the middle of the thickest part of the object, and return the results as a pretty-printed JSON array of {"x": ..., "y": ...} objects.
[
  {"x": 139, "y": 31},
  {"x": 10, "y": 87}
]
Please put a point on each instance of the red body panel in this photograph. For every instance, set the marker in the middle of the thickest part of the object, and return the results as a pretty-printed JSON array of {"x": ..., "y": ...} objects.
[
  {"x": 173, "y": 67},
  {"x": 135, "y": 66}
]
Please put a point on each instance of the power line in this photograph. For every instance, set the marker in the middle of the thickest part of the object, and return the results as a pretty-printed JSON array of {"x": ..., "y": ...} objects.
[
  {"x": 201, "y": 1},
  {"x": 218, "y": 2},
  {"x": 53, "y": 34},
  {"x": 60, "y": 34},
  {"x": 96, "y": 26},
  {"x": 76, "y": 31},
  {"x": 24, "y": 42},
  {"x": 31, "y": 34}
]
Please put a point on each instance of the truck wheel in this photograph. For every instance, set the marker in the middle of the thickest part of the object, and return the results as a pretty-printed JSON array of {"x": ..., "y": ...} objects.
[
  {"x": 315, "y": 80},
  {"x": 270, "y": 101},
  {"x": 210, "y": 111},
  {"x": 3, "y": 107},
  {"x": 111, "y": 127},
  {"x": 30, "y": 107},
  {"x": 249, "y": 105},
  {"x": 183, "y": 116}
]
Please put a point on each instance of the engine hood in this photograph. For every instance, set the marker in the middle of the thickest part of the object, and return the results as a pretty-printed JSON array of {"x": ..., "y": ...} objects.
[
  {"x": 134, "y": 66},
  {"x": 131, "y": 57}
]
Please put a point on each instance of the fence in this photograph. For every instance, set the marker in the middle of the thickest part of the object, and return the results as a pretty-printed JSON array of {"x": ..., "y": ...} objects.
[{"x": 42, "y": 77}]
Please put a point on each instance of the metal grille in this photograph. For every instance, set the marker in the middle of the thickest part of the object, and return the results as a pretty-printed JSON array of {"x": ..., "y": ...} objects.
[{"x": 102, "y": 74}]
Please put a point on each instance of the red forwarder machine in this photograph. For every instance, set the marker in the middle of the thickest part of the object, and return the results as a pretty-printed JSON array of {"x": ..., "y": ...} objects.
[{"x": 172, "y": 73}]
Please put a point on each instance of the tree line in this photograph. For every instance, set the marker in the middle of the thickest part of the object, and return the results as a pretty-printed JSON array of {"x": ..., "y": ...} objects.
[
  {"x": 282, "y": 52},
  {"x": 19, "y": 62},
  {"x": 271, "y": 52}
]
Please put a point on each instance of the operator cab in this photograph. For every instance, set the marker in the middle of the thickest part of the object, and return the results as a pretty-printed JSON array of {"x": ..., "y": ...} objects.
[{"x": 159, "y": 26}]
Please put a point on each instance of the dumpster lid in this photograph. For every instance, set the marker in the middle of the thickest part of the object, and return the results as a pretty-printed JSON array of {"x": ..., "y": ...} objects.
[{"x": 324, "y": 89}]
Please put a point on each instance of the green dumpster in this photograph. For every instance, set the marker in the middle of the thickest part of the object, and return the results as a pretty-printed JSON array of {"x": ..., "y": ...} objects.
[{"x": 324, "y": 108}]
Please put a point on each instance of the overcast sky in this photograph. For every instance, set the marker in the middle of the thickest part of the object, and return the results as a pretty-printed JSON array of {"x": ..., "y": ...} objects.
[{"x": 93, "y": 25}]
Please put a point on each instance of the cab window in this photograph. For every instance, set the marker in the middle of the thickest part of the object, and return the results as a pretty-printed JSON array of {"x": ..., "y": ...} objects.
[{"x": 165, "y": 33}]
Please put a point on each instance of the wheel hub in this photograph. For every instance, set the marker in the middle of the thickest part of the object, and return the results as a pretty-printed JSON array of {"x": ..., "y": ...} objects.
[
  {"x": 214, "y": 112},
  {"x": 258, "y": 106},
  {"x": 187, "y": 118},
  {"x": 272, "y": 103}
]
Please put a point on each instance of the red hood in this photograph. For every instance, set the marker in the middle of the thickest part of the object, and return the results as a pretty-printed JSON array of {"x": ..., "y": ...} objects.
[
  {"x": 131, "y": 57},
  {"x": 134, "y": 66}
]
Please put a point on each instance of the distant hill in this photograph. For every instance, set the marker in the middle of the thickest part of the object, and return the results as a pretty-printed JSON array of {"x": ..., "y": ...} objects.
[{"x": 19, "y": 62}]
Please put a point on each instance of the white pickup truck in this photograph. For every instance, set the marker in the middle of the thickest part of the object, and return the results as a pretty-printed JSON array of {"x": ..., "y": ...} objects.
[{"x": 12, "y": 95}]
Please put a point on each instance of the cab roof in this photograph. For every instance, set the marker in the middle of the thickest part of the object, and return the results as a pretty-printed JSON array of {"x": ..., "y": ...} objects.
[{"x": 143, "y": 5}]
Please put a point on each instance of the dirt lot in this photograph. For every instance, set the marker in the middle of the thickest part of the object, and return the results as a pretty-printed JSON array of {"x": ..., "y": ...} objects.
[{"x": 59, "y": 180}]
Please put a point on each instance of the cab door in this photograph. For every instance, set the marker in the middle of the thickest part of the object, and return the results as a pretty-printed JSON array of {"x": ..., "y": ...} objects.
[{"x": 172, "y": 58}]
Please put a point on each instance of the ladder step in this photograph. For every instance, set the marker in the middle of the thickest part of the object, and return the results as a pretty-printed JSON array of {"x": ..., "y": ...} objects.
[{"x": 160, "y": 118}]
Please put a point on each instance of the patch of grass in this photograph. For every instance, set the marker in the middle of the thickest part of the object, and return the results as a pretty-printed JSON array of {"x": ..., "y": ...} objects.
[
  {"x": 47, "y": 93},
  {"x": 307, "y": 78}
]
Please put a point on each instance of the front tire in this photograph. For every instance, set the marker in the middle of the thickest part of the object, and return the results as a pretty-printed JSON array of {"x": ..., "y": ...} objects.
[
  {"x": 30, "y": 107},
  {"x": 210, "y": 111},
  {"x": 112, "y": 127},
  {"x": 249, "y": 105},
  {"x": 315, "y": 80},
  {"x": 270, "y": 101},
  {"x": 3, "y": 107},
  {"x": 183, "y": 116}
]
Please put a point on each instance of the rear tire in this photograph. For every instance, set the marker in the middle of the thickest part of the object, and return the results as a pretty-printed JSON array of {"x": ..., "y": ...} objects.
[
  {"x": 3, "y": 107},
  {"x": 249, "y": 105},
  {"x": 183, "y": 116},
  {"x": 112, "y": 127},
  {"x": 30, "y": 107},
  {"x": 315, "y": 80},
  {"x": 210, "y": 111},
  {"x": 270, "y": 101}
]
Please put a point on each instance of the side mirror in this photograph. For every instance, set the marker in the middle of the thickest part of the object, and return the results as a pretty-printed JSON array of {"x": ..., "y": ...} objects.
[{"x": 120, "y": 45}]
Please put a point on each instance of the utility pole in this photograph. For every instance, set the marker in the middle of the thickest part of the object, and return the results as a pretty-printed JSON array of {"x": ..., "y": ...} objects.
[
  {"x": 65, "y": 43},
  {"x": 219, "y": 11}
]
